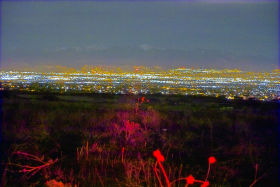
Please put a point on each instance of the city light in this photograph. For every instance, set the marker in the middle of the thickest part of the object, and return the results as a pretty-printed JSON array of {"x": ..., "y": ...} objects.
[{"x": 181, "y": 81}]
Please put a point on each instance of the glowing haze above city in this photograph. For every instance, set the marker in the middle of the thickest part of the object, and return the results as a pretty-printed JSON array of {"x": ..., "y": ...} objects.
[{"x": 211, "y": 34}]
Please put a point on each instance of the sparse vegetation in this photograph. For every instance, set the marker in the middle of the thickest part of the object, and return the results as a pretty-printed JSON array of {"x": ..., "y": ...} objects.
[{"x": 109, "y": 140}]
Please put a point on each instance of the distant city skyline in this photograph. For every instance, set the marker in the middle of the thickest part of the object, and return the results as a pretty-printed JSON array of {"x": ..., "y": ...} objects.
[{"x": 197, "y": 33}]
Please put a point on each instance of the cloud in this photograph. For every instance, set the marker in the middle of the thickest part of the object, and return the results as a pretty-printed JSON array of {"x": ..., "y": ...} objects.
[
  {"x": 88, "y": 48},
  {"x": 95, "y": 47},
  {"x": 147, "y": 47},
  {"x": 62, "y": 49},
  {"x": 232, "y": 1}
]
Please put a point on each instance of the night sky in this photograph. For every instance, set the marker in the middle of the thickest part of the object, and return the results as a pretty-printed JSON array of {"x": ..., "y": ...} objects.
[{"x": 207, "y": 34}]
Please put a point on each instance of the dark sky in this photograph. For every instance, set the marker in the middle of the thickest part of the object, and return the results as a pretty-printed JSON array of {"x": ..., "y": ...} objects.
[{"x": 210, "y": 34}]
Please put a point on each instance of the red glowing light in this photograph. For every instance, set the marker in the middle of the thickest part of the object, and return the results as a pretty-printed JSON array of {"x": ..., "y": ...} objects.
[
  {"x": 160, "y": 158},
  {"x": 122, "y": 153},
  {"x": 158, "y": 155},
  {"x": 32, "y": 170},
  {"x": 54, "y": 183},
  {"x": 205, "y": 184},
  {"x": 212, "y": 160},
  {"x": 190, "y": 179}
]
